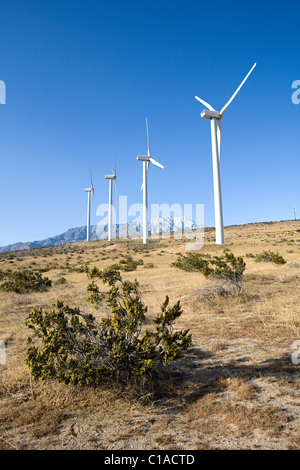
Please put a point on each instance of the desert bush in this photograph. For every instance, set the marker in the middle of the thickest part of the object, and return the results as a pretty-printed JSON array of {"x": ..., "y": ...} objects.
[
  {"x": 25, "y": 281},
  {"x": 270, "y": 257},
  {"x": 76, "y": 349},
  {"x": 43, "y": 270},
  {"x": 61, "y": 280},
  {"x": 127, "y": 264},
  {"x": 228, "y": 269},
  {"x": 192, "y": 262},
  {"x": 149, "y": 265}
]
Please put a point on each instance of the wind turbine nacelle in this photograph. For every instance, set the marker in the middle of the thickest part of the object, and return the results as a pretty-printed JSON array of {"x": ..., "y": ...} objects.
[
  {"x": 143, "y": 158},
  {"x": 207, "y": 114},
  {"x": 87, "y": 190},
  {"x": 109, "y": 177}
]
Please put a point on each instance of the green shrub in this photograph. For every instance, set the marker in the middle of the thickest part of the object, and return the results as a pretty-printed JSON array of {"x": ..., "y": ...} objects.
[
  {"x": 192, "y": 262},
  {"x": 228, "y": 269},
  {"x": 127, "y": 264},
  {"x": 149, "y": 265},
  {"x": 25, "y": 281},
  {"x": 76, "y": 349},
  {"x": 270, "y": 257}
]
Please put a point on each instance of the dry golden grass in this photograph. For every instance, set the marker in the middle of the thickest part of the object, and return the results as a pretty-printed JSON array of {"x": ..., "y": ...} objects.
[{"x": 237, "y": 388}]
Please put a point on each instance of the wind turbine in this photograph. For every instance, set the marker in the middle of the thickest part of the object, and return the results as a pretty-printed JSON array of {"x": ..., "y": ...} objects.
[
  {"x": 111, "y": 178},
  {"x": 89, "y": 191},
  {"x": 216, "y": 122},
  {"x": 146, "y": 159}
]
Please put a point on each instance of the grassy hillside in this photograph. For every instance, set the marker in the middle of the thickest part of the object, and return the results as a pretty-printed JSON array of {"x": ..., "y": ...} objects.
[{"x": 237, "y": 387}]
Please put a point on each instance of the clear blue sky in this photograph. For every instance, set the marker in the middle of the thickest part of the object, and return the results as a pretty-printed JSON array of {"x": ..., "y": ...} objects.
[{"x": 82, "y": 76}]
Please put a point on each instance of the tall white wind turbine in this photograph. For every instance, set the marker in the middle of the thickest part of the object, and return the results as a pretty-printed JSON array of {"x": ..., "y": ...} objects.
[
  {"x": 89, "y": 191},
  {"x": 146, "y": 159},
  {"x": 215, "y": 118},
  {"x": 111, "y": 178}
]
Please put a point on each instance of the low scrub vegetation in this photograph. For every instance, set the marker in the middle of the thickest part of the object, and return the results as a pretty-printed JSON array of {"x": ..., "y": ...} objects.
[
  {"x": 127, "y": 264},
  {"x": 149, "y": 265},
  {"x": 61, "y": 280},
  {"x": 25, "y": 281},
  {"x": 74, "y": 349},
  {"x": 228, "y": 269},
  {"x": 270, "y": 257},
  {"x": 267, "y": 257}
]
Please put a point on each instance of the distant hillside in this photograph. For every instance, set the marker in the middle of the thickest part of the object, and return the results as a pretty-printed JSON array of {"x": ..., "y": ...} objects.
[{"x": 99, "y": 232}]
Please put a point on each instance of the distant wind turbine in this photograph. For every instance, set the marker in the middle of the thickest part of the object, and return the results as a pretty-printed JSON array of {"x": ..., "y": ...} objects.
[
  {"x": 215, "y": 117},
  {"x": 89, "y": 191},
  {"x": 111, "y": 178},
  {"x": 146, "y": 159}
]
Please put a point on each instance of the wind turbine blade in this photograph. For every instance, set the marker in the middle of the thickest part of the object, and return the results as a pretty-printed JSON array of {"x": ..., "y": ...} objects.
[
  {"x": 148, "y": 140},
  {"x": 155, "y": 163},
  {"x": 92, "y": 187},
  {"x": 205, "y": 104},
  {"x": 115, "y": 172},
  {"x": 237, "y": 90}
]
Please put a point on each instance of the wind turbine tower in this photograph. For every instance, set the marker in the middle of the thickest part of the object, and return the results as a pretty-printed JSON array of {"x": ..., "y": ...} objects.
[
  {"x": 215, "y": 118},
  {"x": 111, "y": 178},
  {"x": 146, "y": 159},
  {"x": 89, "y": 191},
  {"x": 295, "y": 215}
]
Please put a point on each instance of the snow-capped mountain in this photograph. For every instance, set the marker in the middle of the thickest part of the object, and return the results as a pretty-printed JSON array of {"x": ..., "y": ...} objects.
[
  {"x": 171, "y": 224},
  {"x": 99, "y": 232}
]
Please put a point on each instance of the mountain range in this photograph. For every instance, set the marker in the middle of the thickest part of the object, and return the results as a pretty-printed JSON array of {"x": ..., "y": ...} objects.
[{"x": 99, "y": 232}]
